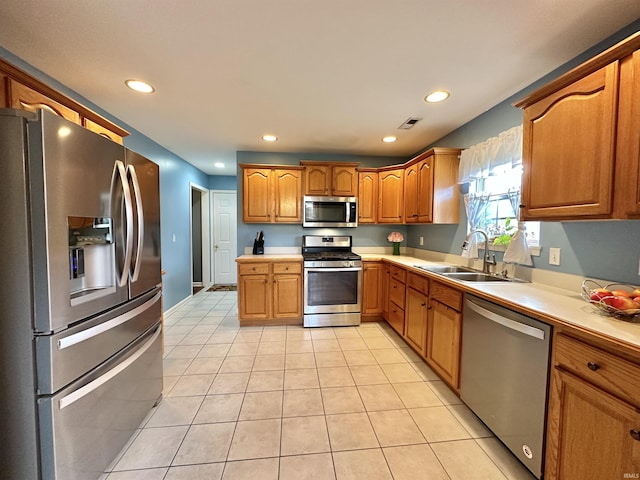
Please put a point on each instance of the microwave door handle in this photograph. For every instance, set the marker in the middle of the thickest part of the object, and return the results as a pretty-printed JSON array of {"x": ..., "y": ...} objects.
[
  {"x": 346, "y": 212},
  {"x": 131, "y": 172},
  {"x": 119, "y": 172}
]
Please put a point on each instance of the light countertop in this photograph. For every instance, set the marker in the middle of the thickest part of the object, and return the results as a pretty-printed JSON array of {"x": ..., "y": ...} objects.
[{"x": 554, "y": 305}]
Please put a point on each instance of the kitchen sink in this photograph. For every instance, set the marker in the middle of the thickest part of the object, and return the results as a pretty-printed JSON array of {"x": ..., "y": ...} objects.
[
  {"x": 475, "y": 277},
  {"x": 465, "y": 274},
  {"x": 446, "y": 269}
]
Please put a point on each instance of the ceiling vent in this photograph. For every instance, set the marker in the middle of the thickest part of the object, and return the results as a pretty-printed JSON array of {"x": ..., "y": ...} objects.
[{"x": 409, "y": 123}]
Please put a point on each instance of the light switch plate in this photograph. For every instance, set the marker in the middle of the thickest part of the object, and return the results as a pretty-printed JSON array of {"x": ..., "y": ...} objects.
[{"x": 554, "y": 256}]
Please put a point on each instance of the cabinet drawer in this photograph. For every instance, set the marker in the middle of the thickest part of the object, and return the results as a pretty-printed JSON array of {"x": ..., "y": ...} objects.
[
  {"x": 398, "y": 273},
  {"x": 396, "y": 292},
  {"x": 609, "y": 372},
  {"x": 447, "y": 295},
  {"x": 287, "y": 267},
  {"x": 396, "y": 318},
  {"x": 418, "y": 282},
  {"x": 253, "y": 268}
]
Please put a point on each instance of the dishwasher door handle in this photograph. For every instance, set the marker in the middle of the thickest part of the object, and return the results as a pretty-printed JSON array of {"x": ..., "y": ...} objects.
[{"x": 506, "y": 322}]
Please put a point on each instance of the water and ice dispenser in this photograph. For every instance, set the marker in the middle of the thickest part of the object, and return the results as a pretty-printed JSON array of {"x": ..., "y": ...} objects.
[{"x": 91, "y": 255}]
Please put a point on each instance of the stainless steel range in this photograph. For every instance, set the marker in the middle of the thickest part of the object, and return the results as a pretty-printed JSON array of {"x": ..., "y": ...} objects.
[{"x": 332, "y": 281}]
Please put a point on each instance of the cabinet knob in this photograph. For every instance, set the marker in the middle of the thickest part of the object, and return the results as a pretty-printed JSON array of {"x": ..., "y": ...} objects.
[
  {"x": 423, "y": 304},
  {"x": 593, "y": 366},
  {"x": 286, "y": 268},
  {"x": 522, "y": 205},
  {"x": 635, "y": 434}
]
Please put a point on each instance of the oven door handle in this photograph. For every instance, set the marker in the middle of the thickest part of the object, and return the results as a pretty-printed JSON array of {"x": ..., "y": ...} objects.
[{"x": 334, "y": 269}]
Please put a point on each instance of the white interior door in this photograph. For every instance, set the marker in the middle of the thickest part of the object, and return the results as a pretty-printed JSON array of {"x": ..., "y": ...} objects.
[{"x": 224, "y": 237}]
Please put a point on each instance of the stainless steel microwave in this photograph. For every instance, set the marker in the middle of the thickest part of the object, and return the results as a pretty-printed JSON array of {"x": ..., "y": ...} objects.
[{"x": 330, "y": 212}]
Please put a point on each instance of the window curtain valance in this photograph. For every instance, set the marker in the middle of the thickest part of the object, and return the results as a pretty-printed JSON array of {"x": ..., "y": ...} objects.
[{"x": 491, "y": 156}]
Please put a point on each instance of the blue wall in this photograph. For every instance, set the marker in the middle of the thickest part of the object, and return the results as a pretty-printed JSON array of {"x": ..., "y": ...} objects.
[
  {"x": 175, "y": 191},
  {"x": 600, "y": 249},
  {"x": 291, "y": 235},
  {"x": 222, "y": 182}
]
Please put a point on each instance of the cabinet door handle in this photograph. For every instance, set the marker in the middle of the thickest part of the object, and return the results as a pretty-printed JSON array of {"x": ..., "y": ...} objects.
[
  {"x": 635, "y": 434},
  {"x": 593, "y": 366},
  {"x": 422, "y": 304}
]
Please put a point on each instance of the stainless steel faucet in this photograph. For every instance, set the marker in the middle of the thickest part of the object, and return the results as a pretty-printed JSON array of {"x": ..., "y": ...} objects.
[{"x": 487, "y": 260}]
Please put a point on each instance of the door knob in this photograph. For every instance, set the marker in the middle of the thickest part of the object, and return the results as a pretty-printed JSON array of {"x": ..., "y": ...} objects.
[{"x": 593, "y": 366}]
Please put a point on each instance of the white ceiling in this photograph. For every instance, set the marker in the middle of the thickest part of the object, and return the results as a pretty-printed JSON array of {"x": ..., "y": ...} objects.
[{"x": 324, "y": 76}]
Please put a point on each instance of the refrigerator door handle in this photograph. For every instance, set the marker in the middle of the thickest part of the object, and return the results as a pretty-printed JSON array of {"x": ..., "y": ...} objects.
[
  {"x": 108, "y": 325},
  {"x": 131, "y": 172},
  {"x": 119, "y": 172},
  {"x": 101, "y": 380}
]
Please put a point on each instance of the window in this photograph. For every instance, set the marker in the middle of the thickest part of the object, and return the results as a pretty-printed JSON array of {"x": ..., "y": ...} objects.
[{"x": 498, "y": 218}]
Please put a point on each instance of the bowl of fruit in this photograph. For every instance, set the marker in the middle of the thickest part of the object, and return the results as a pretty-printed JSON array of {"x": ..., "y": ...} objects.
[{"x": 615, "y": 299}]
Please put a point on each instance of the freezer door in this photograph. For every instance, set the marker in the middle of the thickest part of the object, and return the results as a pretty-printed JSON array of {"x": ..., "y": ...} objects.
[
  {"x": 84, "y": 427},
  {"x": 67, "y": 355},
  {"x": 75, "y": 246},
  {"x": 144, "y": 182}
]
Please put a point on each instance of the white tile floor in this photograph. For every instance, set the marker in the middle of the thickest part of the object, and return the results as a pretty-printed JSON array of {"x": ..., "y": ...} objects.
[{"x": 293, "y": 403}]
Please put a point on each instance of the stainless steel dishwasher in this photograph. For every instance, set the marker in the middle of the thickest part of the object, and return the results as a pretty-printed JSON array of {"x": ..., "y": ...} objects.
[{"x": 504, "y": 376}]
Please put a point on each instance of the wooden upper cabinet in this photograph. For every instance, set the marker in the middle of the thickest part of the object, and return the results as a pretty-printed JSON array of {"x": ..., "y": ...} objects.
[
  {"x": 367, "y": 196},
  {"x": 627, "y": 177},
  {"x": 271, "y": 195},
  {"x": 25, "y": 98},
  {"x": 287, "y": 196},
  {"x": 344, "y": 180},
  {"x": 425, "y": 187},
  {"x": 431, "y": 191},
  {"x": 21, "y": 91},
  {"x": 100, "y": 130},
  {"x": 569, "y": 149},
  {"x": 581, "y": 142},
  {"x": 390, "y": 195},
  {"x": 256, "y": 195},
  {"x": 411, "y": 193},
  {"x": 317, "y": 180},
  {"x": 330, "y": 179},
  {"x": 443, "y": 196}
]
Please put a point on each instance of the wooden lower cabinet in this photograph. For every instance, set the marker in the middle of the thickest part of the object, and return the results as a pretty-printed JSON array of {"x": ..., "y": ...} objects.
[
  {"x": 417, "y": 306},
  {"x": 591, "y": 435},
  {"x": 416, "y": 320},
  {"x": 444, "y": 332},
  {"x": 270, "y": 293},
  {"x": 372, "y": 290},
  {"x": 287, "y": 291},
  {"x": 443, "y": 342},
  {"x": 396, "y": 306},
  {"x": 593, "y": 425}
]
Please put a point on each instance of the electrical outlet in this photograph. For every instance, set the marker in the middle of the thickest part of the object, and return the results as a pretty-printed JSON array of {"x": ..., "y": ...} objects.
[
  {"x": 173, "y": 238},
  {"x": 554, "y": 256},
  {"x": 422, "y": 243}
]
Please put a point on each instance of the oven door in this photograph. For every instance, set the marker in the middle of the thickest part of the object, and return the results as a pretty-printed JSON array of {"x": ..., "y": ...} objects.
[{"x": 332, "y": 290}]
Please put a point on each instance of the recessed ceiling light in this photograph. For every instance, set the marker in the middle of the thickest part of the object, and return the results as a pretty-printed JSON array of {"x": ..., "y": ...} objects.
[
  {"x": 218, "y": 165},
  {"x": 139, "y": 86},
  {"x": 389, "y": 139},
  {"x": 269, "y": 138},
  {"x": 437, "y": 96}
]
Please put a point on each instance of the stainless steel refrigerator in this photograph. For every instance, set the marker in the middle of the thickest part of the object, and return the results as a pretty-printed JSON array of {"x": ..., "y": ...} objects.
[{"x": 80, "y": 298}]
